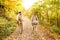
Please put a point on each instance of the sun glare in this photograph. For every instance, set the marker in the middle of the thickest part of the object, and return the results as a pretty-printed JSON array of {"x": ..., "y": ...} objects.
[{"x": 28, "y": 3}]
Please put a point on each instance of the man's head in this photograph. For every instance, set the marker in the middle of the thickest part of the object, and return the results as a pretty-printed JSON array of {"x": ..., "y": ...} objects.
[{"x": 19, "y": 13}]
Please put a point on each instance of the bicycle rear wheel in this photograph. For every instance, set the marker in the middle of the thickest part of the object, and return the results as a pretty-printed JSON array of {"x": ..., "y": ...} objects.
[{"x": 21, "y": 28}]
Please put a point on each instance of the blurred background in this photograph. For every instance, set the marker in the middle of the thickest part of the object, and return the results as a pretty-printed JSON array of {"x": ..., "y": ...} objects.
[{"x": 48, "y": 12}]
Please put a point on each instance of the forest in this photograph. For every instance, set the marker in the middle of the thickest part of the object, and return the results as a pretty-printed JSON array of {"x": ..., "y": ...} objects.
[{"x": 48, "y": 12}]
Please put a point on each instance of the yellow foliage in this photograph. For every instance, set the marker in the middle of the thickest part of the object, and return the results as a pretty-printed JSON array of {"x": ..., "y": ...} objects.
[{"x": 11, "y": 4}]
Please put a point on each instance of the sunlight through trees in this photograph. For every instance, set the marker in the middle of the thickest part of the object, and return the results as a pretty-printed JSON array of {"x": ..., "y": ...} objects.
[{"x": 48, "y": 12}]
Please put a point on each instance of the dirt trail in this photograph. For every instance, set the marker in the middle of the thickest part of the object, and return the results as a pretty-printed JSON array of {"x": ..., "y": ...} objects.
[{"x": 28, "y": 34}]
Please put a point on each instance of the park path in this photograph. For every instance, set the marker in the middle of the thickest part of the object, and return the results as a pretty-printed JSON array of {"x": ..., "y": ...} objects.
[{"x": 28, "y": 34}]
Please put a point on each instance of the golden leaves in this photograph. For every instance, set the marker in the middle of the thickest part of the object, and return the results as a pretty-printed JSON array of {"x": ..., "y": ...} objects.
[{"x": 10, "y": 4}]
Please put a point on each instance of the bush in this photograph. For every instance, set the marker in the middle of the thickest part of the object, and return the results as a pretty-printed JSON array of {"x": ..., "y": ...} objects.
[
  {"x": 55, "y": 29},
  {"x": 6, "y": 27}
]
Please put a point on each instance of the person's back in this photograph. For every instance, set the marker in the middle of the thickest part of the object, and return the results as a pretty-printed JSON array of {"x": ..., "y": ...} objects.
[{"x": 34, "y": 20}]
